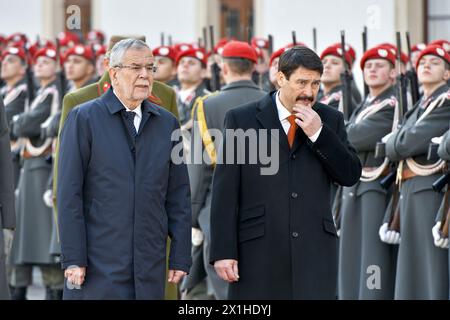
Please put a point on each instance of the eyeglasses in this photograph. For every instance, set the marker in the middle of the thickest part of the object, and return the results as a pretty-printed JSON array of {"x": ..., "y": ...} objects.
[{"x": 137, "y": 68}]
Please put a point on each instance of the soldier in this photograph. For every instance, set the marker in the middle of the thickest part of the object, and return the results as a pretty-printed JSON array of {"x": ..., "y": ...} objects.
[
  {"x": 239, "y": 61},
  {"x": 165, "y": 58},
  {"x": 161, "y": 95},
  {"x": 333, "y": 67},
  {"x": 14, "y": 95},
  {"x": 34, "y": 219},
  {"x": 79, "y": 66},
  {"x": 191, "y": 65},
  {"x": 7, "y": 216},
  {"x": 100, "y": 51},
  {"x": 422, "y": 268},
  {"x": 364, "y": 204},
  {"x": 261, "y": 74},
  {"x": 440, "y": 229}
]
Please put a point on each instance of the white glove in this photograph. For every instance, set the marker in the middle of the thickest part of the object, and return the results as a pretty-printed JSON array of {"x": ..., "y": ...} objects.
[
  {"x": 8, "y": 236},
  {"x": 197, "y": 237},
  {"x": 439, "y": 241},
  {"x": 338, "y": 232},
  {"x": 437, "y": 140},
  {"x": 48, "y": 198},
  {"x": 389, "y": 236}
]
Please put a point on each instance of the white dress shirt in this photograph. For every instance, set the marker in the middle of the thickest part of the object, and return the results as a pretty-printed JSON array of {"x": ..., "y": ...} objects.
[
  {"x": 137, "y": 111},
  {"x": 283, "y": 114}
]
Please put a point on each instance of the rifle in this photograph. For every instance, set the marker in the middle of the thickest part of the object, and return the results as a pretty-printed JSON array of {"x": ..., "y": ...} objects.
[
  {"x": 205, "y": 39},
  {"x": 294, "y": 38},
  {"x": 62, "y": 73},
  {"x": 29, "y": 79},
  {"x": 215, "y": 69},
  {"x": 162, "y": 39},
  {"x": 170, "y": 40},
  {"x": 270, "y": 45},
  {"x": 364, "y": 43},
  {"x": 346, "y": 79},
  {"x": 315, "y": 39},
  {"x": 394, "y": 223},
  {"x": 412, "y": 74},
  {"x": 438, "y": 185}
]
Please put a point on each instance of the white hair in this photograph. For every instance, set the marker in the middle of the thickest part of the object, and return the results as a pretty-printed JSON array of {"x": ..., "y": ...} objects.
[{"x": 121, "y": 47}]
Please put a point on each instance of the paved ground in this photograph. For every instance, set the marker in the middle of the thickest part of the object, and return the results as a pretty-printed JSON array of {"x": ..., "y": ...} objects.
[{"x": 37, "y": 290}]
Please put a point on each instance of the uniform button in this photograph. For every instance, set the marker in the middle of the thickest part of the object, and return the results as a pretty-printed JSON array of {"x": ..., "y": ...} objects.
[
  {"x": 293, "y": 157},
  {"x": 295, "y": 234},
  {"x": 294, "y": 195}
]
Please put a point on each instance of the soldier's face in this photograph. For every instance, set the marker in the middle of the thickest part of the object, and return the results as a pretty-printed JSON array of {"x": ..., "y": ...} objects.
[
  {"x": 77, "y": 68},
  {"x": 44, "y": 68},
  {"x": 431, "y": 70},
  {"x": 190, "y": 70},
  {"x": 332, "y": 69},
  {"x": 12, "y": 67},
  {"x": 166, "y": 69},
  {"x": 133, "y": 82},
  {"x": 301, "y": 88},
  {"x": 378, "y": 72}
]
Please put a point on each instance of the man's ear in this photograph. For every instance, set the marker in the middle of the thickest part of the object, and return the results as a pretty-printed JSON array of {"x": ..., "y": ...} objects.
[
  {"x": 446, "y": 75},
  {"x": 113, "y": 75},
  {"x": 281, "y": 79}
]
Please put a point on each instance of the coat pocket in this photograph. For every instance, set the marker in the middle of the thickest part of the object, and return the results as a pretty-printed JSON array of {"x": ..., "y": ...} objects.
[
  {"x": 328, "y": 226},
  {"x": 251, "y": 223}
]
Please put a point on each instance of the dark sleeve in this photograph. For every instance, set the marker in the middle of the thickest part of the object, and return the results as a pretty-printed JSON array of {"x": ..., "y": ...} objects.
[
  {"x": 365, "y": 134},
  {"x": 200, "y": 173},
  {"x": 336, "y": 153},
  {"x": 225, "y": 197},
  {"x": 7, "y": 214},
  {"x": 14, "y": 108},
  {"x": 444, "y": 147},
  {"x": 178, "y": 209},
  {"x": 412, "y": 140},
  {"x": 74, "y": 156},
  {"x": 29, "y": 123}
]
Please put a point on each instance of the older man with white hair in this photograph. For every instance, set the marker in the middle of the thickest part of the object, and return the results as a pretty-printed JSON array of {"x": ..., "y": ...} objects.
[{"x": 121, "y": 193}]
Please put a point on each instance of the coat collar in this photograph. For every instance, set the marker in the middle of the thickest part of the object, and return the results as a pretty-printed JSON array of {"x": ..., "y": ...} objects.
[
  {"x": 114, "y": 105},
  {"x": 240, "y": 84}
]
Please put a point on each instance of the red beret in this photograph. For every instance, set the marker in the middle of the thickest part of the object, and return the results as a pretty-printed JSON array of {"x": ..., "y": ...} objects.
[
  {"x": 418, "y": 47},
  {"x": 45, "y": 52},
  {"x": 337, "y": 51},
  {"x": 348, "y": 49},
  {"x": 239, "y": 49},
  {"x": 96, "y": 35},
  {"x": 68, "y": 39},
  {"x": 16, "y": 37},
  {"x": 443, "y": 43},
  {"x": 80, "y": 50},
  {"x": 218, "y": 48},
  {"x": 277, "y": 54},
  {"x": 165, "y": 51},
  {"x": 180, "y": 47},
  {"x": 99, "y": 49},
  {"x": 403, "y": 57},
  {"x": 260, "y": 43},
  {"x": 193, "y": 53},
  {"x": 378, "y": 53},
  {"x": 435, "y": 50},
  {"x": 2, "y": 39},
  {"x": 14, "y": 51}
]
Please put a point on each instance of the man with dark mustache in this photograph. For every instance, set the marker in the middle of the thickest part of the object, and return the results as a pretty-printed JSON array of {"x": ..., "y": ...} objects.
[{"x": 273, "y": 236}]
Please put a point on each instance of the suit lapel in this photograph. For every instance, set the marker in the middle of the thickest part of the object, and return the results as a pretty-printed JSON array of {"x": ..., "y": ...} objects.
[{"x": 268, "y": 118}]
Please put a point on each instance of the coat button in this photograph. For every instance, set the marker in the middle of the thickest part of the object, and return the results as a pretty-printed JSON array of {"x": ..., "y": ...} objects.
[
  {"x": 293, "y": 157},
  {"x": 295, "y": 234},
  {"x": 294, "y": 195}
]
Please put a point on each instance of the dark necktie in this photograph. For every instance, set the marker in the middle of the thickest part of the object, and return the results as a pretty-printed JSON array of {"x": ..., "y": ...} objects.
[{"x": 129, "y": 117}]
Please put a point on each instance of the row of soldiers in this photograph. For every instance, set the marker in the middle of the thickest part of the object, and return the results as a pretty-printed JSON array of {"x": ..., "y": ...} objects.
[{"x": 185, "y": 77}]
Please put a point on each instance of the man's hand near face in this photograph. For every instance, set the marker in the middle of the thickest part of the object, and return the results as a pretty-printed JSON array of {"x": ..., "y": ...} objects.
[{"x": 307, "y": 119}]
